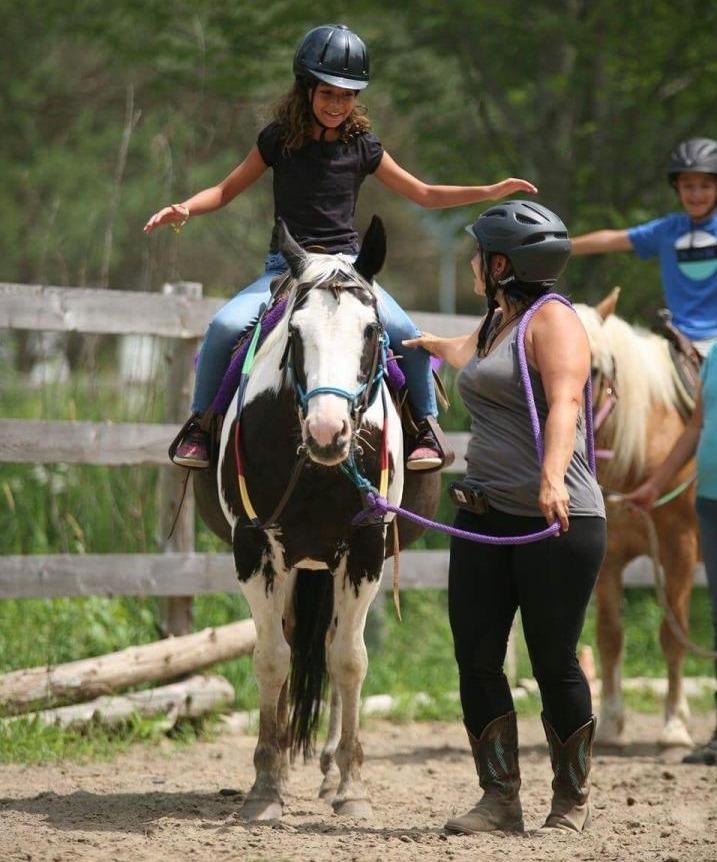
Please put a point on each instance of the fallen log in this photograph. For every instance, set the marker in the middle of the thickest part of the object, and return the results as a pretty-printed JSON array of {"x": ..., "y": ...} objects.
[
  {"x": 190, "y": 698},
  {"x": 78, "y": 681}
]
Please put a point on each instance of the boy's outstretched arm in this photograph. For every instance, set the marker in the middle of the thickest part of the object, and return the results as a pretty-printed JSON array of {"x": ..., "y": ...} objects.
[{"x": 600, "y": 241}]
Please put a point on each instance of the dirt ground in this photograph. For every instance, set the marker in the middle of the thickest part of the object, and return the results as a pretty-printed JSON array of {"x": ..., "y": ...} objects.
[{"x": 164, "y": 803}]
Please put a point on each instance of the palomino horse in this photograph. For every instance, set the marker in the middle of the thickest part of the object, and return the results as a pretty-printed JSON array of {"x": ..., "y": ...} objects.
[
  {"x": 639, "y": 432},
  {"x": 315, "y": 395}
]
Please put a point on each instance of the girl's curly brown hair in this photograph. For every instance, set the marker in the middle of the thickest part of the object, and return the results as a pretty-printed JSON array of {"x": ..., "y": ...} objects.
[{"x": 293, "y": 113}]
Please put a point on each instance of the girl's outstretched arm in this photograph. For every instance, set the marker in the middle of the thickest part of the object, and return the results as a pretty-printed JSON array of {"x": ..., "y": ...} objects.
[
  {"x": 394, "y": 177},
  {"x": 215, "y": 197}
]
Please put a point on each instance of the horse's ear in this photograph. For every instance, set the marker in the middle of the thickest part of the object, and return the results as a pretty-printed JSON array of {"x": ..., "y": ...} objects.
[
  {"x": 293, "y": 253},
  {"x": 373, "y": 250},
  {"x": 607, "y": 306}
]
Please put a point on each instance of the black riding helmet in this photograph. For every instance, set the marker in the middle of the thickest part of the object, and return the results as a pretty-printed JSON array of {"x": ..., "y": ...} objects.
[
  {"x": 533, "y": 238},
  {"x": 696, "y": 154},
  {"x": 335, "y": 55}
]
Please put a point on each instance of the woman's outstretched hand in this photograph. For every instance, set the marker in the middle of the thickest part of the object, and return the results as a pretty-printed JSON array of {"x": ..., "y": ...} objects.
[
  {"x": 173, "y": 214},
  {"x": 510, "y": 187},
  {"x": 553, "y": 502},
  {"x": 434, "y": 344}
]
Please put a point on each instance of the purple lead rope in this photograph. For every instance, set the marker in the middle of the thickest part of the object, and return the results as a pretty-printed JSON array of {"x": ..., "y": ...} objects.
[{"x": 377, "y": 503}]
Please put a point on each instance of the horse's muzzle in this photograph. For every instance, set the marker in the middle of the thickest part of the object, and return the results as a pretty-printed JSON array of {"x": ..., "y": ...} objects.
[{"x": 332, "y": 453}]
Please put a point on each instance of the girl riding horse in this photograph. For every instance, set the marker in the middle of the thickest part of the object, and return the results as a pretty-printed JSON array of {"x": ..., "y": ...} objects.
[{"x": 320, "y": 148}]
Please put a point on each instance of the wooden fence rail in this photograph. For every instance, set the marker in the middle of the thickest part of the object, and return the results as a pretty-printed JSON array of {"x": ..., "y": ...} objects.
[{"x": 64, "y": 575}]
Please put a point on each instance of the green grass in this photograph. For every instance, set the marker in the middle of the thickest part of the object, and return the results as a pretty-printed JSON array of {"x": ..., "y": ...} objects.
[{"x": 29, "y": 741}]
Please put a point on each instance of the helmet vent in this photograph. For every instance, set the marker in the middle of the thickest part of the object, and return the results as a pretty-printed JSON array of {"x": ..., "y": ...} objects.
[{"x": 524, "y": 219}]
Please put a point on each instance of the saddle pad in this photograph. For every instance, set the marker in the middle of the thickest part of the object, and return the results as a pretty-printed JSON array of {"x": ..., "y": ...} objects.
[
  {"x": 686, "y": 377},
  {"x": 230, "y": 382}
]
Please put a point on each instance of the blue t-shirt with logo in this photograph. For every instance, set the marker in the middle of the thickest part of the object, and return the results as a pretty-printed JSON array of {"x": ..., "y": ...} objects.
[
  {"x": 688, "y": 262},
  {"x": 707, "y": 449}
]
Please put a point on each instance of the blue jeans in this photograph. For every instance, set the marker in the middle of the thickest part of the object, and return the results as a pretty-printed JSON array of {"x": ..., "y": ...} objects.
[
  {"x": 236, "y": 315},
  {"x": 707, "y": 516}
]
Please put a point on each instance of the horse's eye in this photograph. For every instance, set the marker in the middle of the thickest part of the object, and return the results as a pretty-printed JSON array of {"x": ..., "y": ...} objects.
[{"x": 369, "y": 331}]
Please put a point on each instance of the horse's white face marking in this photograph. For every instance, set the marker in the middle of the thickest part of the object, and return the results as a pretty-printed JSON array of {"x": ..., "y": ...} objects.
[
  {"x": 333, "y": 339},
  {"x": 332, "y": 331}
]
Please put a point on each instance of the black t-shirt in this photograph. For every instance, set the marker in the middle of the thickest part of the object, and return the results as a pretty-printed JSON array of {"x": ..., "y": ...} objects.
[{"x": 316, "y": 186}]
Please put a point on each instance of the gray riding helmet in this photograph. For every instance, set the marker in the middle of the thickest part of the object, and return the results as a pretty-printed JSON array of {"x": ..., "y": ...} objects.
[
  {"x": 533, "y": 238},
  {"x": 697, "y": 154},
  {"x": 334, "y": 55}
]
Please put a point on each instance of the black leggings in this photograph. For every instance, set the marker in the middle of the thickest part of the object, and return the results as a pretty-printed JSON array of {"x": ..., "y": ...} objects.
[{"x": 550, "y": 581}]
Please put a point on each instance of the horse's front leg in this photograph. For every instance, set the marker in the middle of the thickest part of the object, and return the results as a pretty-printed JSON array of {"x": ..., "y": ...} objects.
[
  {"x": 356, "y": 582},
  {"x": 678, "y": 559},
  {"x": 265, "y": 588}
]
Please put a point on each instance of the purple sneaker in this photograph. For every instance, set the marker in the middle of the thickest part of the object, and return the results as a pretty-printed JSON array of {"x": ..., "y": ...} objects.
[{"x": 193, "y": 451}]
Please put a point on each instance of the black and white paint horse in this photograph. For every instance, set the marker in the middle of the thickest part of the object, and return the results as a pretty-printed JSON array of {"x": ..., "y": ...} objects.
[{"x": 310, "y": 577}]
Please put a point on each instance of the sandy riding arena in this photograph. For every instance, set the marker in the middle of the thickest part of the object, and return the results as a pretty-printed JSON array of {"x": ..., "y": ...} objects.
[{"x": 164, "y": 803}]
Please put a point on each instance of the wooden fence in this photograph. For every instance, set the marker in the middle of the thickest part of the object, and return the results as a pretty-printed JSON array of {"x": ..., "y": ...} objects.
[{"x": 180, "y": 314}]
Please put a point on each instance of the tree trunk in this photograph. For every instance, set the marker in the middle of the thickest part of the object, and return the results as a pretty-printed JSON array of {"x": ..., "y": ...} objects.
[
  {"x": 84, "y": 680},
  {"x": 188, "y": 699}
]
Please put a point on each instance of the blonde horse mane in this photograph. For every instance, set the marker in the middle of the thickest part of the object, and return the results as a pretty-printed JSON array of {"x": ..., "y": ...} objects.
[{"x": 641, "y": 366}]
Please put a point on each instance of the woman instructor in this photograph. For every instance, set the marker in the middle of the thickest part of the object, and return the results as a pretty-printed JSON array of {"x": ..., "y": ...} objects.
[{"x": 522, "y": 249}]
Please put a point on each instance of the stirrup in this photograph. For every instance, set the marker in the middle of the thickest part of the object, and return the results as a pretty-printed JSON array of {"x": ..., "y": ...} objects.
[
  {"x": 195, "y": 423},
  {"x": 446, "y": 454}
]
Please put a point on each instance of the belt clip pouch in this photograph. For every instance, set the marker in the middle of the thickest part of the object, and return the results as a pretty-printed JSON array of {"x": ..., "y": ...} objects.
[{"x": 467, "y": 494}]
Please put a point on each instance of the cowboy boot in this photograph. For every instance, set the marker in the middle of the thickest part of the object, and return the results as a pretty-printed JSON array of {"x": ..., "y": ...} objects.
[
  {"x": 496, "y": 759},
  {"x": 571, "y": 761}
]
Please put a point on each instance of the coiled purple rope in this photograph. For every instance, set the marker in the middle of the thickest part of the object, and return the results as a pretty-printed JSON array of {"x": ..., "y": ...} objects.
[{"x": 377, "y": 503}]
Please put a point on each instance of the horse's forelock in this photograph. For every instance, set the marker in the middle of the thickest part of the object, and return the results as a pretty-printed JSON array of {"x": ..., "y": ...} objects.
[{"x": 334, "y": 272}]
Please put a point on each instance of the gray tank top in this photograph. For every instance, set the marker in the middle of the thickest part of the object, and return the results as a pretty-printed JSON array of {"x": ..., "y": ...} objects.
[{"x": 501, "y": 452}]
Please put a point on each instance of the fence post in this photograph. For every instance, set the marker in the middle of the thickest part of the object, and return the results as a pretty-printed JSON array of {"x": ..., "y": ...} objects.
[{"x": 175, "y": 612}]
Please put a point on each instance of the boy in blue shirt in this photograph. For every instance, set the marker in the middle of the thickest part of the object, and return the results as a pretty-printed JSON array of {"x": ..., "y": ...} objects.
[{"x": 685, "y": 242}]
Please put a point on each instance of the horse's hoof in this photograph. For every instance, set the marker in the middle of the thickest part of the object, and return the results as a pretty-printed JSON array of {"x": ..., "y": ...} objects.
[
  {"x": 610, "y": 732},
  {"x": 328, "y": 789},
  {"x": 261, "y": 809},
  {"x": 675, "y": 735},
  {"x": 358, "y": 809},
  {"x": 610, "y": 738},
  {"x": 330, "y": 785}
]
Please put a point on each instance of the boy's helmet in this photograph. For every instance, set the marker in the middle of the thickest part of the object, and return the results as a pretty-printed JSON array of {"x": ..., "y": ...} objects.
[
  {"x": 335, "y": 55},
  {"x": 533, "y": 238},
  {"x": 696, "y": 154}
]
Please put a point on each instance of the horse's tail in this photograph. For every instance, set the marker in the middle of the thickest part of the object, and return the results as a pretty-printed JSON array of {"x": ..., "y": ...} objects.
[{"x": 313, "y": 608}]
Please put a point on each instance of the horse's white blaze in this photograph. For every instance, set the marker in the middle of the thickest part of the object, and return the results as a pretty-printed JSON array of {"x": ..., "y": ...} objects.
[
  {"x": 332, "y": 335},
  {"x": 614, "y": 343}
]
